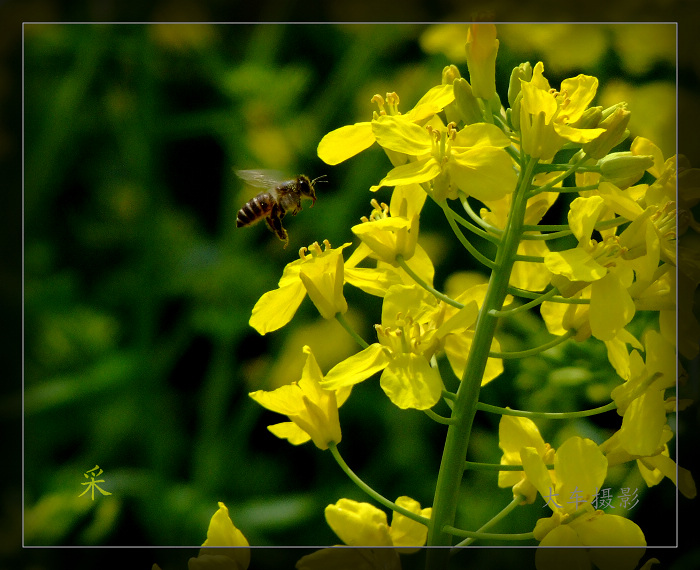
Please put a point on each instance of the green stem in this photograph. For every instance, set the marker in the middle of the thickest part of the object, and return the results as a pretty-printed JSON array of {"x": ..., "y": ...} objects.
[
  {"x": 474, "y": 229},
  {"x": 477, "y": 466},
  {"x": 532, "y": 351},
  {"x": 480, "y": 257},
  {"x": 556, "y": 299},
  {"x": 358, "y": 339},
  {"x": 438, "y": 418},
  {"x": 571, "y": 189},
  {"x": 500, "y": 516},
  {"x": 552, "y": 183},
  {"x": 371, "y": 492},
  {"x": 473, "y": 215},
  {"x": 541, "y": 299},
  {"x": 462, "y": 239},
  {"x": 546, "y": 415},
  {"x": 530, "y": 258},
  {"x": 488, "y": 535},
  {"x": 465, "y": 406},
  {"x": 440, "y": 296}
]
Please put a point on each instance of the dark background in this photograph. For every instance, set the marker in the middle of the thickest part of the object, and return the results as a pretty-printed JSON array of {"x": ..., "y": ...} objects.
[{"x": 137, "y": 287}]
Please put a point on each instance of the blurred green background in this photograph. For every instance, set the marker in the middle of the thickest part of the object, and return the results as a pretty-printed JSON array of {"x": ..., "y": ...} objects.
[{"x": 138, "y": 287}]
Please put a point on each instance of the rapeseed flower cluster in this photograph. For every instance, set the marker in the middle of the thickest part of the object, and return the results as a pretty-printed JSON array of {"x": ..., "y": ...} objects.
[{"x": 456, "y": 146}]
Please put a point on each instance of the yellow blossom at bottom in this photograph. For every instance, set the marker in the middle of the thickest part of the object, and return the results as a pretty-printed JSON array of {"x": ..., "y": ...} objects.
[
  {"x": 344, "y": 558},
  {"x": 362, "y": 524},
  {"x": 222, "y": 532},
  {"x": 593, "y": 528}
]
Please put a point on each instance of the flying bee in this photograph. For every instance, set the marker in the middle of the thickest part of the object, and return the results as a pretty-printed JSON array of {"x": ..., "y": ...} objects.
[{"x": 279, "y": 198}]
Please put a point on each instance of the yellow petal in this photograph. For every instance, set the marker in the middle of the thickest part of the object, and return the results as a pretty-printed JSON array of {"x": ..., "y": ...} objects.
[
  {"x": 276, "y": 308},
  {"x": 290, "y": 431},
  {"x": 516, "y": 432},
  {"x": 642, "y": 424},
  {"x": 575, "y": 264},
  {"x": 483, "y": 172},
  {"x": 414, "y": 197},
  {"x": 222, "y": 532},
  {"x": 434, "y": 101},
  {"x": 611, "y": 530},
  {"x": 410, "y": 382},
  {"x": 357, "y": 368},
  {"x": 611, "y": 308},
  {"x": 583, "y": 214},
  {"x": 373, "y": 281},
  {"x": 406, "y": 533},
  {"x": 581, "y": 468},
  {"x": 481, "y": 134},
  {"x": 407, "y": 300},
  {"x": 537, "y": 473},
  {"x": 578, "y": 136},
  {"x": 413, "y": 172},
  {"x": 358, "y": 524},
  {"x": 558, "y": 558},
  {"x": 345, "y": 142},
  {"x": 401, "y": 135}
]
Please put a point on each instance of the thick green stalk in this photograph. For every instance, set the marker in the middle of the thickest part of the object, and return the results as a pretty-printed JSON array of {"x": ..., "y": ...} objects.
[{"x": 457, "y": 440}]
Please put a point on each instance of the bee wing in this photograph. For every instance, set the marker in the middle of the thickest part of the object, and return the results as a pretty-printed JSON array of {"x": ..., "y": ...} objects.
[{"x": 267, "y": 179}]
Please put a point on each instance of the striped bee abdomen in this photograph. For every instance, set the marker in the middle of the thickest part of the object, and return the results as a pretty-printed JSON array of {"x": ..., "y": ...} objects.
[{"x": 256, "y": 209}]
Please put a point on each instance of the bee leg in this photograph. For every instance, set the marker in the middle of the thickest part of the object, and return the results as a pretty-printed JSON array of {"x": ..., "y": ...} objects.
[{"x": 274, "y": 222}]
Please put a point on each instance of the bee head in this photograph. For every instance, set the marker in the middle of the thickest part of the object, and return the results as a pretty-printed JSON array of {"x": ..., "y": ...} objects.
[{"x": 306, "y": 186}]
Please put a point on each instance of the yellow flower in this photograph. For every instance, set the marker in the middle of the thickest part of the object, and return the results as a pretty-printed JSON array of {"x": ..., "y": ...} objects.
[
  {"x": 590, "y": 529},
  {"x": 396, "y": 234},
  {"x": 318, "y": 273},
  {"x": 645, "y": 432},
  {"x": 345, "y": 142},
  {"x": 413, "y": 328},
  {"x": 515, "y": 433},
  {"x": 548, "y": 117},
  {"x": 312, "y": 409},
  {"x": 222, "y": 532},
  {"x": 351, "y": 559},
  {"x": 377, "y": 280},
  {"x": 580, "y": 469},
  {"x": 599, "y": 264},
  {"x": 471, "y": 159},
  {"x": 362, "y": 524}
]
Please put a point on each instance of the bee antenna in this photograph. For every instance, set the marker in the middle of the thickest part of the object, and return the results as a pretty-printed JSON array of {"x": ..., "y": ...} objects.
[{"x": 319, "y": 179}]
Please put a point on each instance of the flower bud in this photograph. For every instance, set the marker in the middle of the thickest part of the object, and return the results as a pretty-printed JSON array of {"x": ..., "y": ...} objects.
[
  {"x": 590, "y": 118},
  {"x": 615, "y": 126},
  {"x": 449, "y": 74},
  {"x": 467, "y": 105},
  {"x": 482, "y": 47},
  {"x": 524, "y": 72},
  {"x": 610, "y": 110},
  {"x": 624, "y": 168}
]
